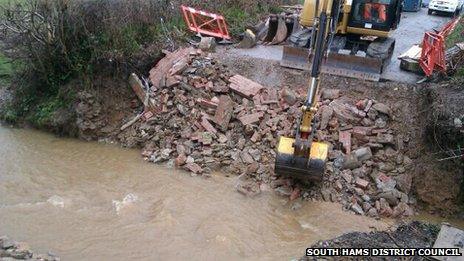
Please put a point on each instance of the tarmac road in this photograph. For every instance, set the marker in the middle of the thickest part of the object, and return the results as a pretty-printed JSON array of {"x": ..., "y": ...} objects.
[
  {"x": 412, "y": 27},
  {"x": 411, "y": 31}
]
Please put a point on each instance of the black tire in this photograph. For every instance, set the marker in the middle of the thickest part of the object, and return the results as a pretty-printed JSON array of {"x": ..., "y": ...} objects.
[{"x": 429, "y": 12}]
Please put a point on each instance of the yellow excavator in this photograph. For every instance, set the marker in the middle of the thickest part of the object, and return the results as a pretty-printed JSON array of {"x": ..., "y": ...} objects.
[
  {"x": 360, "y": 42},
  {"x": 301, "y": 157}
]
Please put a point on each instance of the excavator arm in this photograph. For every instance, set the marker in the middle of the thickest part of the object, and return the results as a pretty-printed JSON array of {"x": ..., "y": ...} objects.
[{"x": 301, "y": 157}]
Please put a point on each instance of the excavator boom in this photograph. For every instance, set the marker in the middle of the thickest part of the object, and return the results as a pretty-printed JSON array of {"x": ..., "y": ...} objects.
[
  {"x": 360, "y": 42},
  {"x": 301, "y": 157}
]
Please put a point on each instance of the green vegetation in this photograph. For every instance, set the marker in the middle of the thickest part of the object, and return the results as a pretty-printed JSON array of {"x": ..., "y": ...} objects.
[
  {"x": 5, "y": 70},
  {"x": 59, "y": 41},
  {"x": 457, "y": 36}
]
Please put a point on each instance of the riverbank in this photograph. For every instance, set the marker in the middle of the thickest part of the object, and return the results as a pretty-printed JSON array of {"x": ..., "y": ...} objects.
[
  {"x": 93, "y": 201},
  {"x": 389, "y": 178}
]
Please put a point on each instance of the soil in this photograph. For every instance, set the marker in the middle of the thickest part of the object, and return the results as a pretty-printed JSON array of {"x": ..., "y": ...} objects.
[{"x": 412, "y": 235}]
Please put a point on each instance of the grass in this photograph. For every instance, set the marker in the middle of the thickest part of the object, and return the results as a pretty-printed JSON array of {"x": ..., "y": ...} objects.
[
  {"x": 5, "y": 69},
  {"x": 455, "y": 37}
]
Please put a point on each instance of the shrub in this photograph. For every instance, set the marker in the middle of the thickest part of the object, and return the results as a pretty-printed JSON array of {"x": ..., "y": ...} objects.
[{"x": 59, "y": 40}]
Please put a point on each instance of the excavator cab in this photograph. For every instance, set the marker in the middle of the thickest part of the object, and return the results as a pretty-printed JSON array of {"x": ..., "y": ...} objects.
[
  {"x": 360, "y": 46},
  {"x": 382, "y": 15}
]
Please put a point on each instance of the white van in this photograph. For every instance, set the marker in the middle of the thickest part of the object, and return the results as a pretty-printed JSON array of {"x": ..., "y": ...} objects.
[{"x": 448, "y": 6}]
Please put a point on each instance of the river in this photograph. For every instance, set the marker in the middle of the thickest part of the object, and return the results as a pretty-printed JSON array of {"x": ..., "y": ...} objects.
[{"x": 92, "y": 201}]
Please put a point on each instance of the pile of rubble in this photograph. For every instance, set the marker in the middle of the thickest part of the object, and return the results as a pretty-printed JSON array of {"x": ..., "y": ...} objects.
[
  {"x": 367, "y": 172},
  {"x": 200, "y": 117},
  {"x": 11, "y": 250}
]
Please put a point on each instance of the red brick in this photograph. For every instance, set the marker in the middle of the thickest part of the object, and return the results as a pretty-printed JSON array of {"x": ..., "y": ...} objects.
[
  {"x": 207, "y": 103},
  {"x": 207, "y": 125},
  {"x": 255, "y": 137},
  {"x": 251, "y": 118},
  {"x": 193, "y": 167},
  {"x": 159, "y": 72},
  {"x": 244, "y": 86},
  {"x": 147, "y": 115},
  {"x": 361, "y": 104},
  {"x": 362, "y": 183},
  {"x": 384, "y": 178},
  {"x": 180, "y": 160},
  {"x": 377, "y": 131},
  {"x": 171, "y": 81},
  {"x": 345, "y": 138},
  {"x": 215, "y": 100},
  {"x": 362, "y": 133},
  {"x": 224, "y": 112},
  {"x": 179, "y": 65}
]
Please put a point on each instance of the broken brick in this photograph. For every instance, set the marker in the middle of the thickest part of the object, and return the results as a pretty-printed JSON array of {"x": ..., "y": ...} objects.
[
  {"x": 368, "y": 106},
  {"x": 171, "y": 81},
  {"x": 326, "y": 115},
  {"x": 224, "y": 112},
  {"x": 256, "y": 137},
  {"x": 361, "y": 133},
  {"x": 193, "y": 167},
  {"x": 180, "y": 160},
  {"x": 147, "y": 115},
  {"x": 222, "y": 138},
  {"x": 159, "y": 72},
  {"x": 207, "y": 125},
  {"x": 251, "y": 118},
  {"x": 362, "y": 183},
  {"x": 244, "y": 86},
  {"x": 207, "y": 103},
  {"x": 345, "y": 138}
]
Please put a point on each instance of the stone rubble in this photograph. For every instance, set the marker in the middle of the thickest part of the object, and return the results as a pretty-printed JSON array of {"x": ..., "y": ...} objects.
[
  {"x": 207, "y": 119},
  {"x": 11, "y": 250}
]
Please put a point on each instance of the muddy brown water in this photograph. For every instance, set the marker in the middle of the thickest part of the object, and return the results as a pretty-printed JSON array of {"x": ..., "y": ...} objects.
[{"x": 90, "y": 201}]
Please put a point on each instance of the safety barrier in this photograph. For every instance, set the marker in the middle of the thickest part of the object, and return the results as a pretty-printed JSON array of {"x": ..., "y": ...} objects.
[
  {"x": 205, "y": 23},
  {"x": 433, "y": 49}
]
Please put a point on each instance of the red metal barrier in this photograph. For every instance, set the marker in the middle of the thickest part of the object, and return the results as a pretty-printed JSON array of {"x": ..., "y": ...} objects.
[
  {"x": 433, "y": 49},
  {"x": 205, "y": 23}
]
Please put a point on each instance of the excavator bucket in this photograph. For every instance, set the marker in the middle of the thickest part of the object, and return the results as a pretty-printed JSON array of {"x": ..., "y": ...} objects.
[
  {"x": 277, "y": 31},
  {"x": 352, "y": 66},
  {"x": 304, "y": 169}
]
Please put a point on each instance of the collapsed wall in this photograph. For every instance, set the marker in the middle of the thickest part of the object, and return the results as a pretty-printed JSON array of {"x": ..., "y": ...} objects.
[{"x": 210, "y": 113}]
